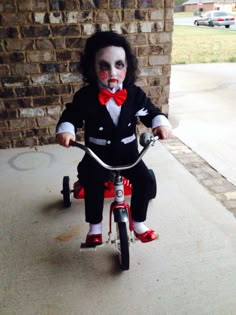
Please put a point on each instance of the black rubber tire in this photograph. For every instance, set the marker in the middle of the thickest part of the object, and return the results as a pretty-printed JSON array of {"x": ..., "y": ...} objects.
[
  {"x": 153, "y": 191},
  {"x": 124, "y": 246},
  {"x": 66, "y": 191}
]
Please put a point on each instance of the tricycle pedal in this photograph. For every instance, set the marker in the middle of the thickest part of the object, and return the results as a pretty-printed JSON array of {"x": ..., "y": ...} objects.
[{"x": 89, "y": 247}]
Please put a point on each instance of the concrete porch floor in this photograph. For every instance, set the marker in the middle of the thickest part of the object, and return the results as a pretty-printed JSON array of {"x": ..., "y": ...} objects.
[{"x": 190, "y": 270}]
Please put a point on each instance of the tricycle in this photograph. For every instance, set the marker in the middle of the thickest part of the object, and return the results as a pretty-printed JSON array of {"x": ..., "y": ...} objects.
[{"x": 117, "y": 188}]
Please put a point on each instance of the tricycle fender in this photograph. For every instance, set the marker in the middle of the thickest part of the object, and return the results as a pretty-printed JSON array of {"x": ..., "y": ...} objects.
[{"x": 121, "y": 214}]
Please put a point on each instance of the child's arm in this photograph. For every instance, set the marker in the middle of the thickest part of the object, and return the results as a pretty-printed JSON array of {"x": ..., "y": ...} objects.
[
  {"x": 64, "y": 138},
  {"x": 161, "y": 127},
  {"x": 152, "y": 117},
  {"x": 163, "y": 132},
  {"x": 70, "y": 120},
  {"x": 65, "y": 132}
]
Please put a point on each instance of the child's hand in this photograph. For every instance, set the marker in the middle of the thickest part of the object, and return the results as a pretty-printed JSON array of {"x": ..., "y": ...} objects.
[
  {"x": 64, "y": 138},
  {"x": 163, "y": 132}
]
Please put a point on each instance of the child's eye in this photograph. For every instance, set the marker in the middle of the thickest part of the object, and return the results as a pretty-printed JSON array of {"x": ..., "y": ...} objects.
[
  {"x": 104, "y": 66},
  {"x": 120, "y": 64}
]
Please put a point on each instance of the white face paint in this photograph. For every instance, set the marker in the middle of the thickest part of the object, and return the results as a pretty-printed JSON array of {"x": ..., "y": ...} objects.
[{"x": 111, "y": 66}]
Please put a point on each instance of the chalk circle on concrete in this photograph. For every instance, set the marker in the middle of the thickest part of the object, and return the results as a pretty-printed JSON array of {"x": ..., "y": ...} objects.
[{"x": 32, "y": 160}]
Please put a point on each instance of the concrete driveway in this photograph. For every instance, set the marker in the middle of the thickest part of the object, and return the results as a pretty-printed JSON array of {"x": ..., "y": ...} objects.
[{"x": 203, "y": 112}]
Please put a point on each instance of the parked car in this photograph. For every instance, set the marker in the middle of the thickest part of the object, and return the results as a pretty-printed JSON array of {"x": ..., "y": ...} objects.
[{"x": 215, "y": 18}]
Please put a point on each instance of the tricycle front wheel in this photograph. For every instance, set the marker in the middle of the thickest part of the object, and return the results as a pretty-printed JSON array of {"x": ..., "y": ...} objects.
[{"x": 123, "y": 245}]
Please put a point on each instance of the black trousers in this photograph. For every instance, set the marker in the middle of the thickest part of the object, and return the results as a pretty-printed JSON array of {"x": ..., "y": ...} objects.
[{"x": 93, "y": 176}]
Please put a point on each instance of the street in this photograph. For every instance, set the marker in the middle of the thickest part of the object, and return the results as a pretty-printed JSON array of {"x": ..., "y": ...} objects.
[{"x": 189, "y": 21}]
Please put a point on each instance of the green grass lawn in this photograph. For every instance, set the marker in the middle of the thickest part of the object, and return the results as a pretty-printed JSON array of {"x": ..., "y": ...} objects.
[
  {"x": 203, "y": 45},
  {"x": 183, "y": 14}
]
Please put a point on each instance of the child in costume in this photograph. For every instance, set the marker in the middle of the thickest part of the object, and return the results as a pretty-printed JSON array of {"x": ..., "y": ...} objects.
[{"x": 108, "y": 108}]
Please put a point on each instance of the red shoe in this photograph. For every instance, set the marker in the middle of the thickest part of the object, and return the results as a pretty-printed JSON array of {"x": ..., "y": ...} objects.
[
  {"x": 147, "y": 236},
  {"x": 93, "y": 240}
]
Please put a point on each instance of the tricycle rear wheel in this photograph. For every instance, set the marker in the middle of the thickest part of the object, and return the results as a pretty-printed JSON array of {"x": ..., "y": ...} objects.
[
  {"x": 153, "y": 191},
  {"x": 66, "y": 191}
]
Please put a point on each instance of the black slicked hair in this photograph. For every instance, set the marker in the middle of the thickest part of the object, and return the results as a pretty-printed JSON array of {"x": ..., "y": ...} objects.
[{"x": 101, "y": 40}]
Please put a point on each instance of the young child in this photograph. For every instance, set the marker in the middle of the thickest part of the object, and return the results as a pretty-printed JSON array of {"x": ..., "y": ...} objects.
[{"x": 108, "y": 107}]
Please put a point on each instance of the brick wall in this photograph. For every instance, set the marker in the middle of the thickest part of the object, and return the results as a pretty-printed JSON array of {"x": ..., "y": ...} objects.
[{"x": 39, "y": 54}]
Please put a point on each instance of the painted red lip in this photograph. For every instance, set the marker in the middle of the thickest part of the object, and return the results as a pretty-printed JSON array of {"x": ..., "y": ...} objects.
[{"x": 112, "y": 80}]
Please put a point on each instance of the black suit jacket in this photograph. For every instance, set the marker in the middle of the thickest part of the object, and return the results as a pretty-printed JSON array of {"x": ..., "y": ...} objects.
[{"x": 118, "y": 143}]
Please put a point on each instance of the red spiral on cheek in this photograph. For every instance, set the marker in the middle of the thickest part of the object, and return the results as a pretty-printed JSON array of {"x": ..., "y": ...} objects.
[{"x": 103, "y": 75}]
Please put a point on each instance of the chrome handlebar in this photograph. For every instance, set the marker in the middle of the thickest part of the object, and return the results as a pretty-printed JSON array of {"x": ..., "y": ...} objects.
[{"x": 146, "y": 140}]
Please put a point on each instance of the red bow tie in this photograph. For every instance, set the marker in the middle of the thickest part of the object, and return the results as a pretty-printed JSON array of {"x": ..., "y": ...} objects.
[{"x": 119, "y": 97}]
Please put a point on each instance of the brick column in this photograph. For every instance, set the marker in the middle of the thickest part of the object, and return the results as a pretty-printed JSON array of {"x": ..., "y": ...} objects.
[{"x": 40, "y": 49}]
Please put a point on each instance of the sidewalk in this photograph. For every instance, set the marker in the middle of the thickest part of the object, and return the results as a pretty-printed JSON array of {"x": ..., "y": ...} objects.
[{"x": 190, "y": 270}]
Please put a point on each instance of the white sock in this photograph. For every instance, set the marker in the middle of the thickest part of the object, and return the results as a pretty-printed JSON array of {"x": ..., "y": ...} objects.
[
  {"x": 95, "y": 228},
  {"x": 140, "y": 227}
]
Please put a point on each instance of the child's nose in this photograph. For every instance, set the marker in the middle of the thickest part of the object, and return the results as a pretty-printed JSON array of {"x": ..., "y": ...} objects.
[{"x": 113, "y": 71}]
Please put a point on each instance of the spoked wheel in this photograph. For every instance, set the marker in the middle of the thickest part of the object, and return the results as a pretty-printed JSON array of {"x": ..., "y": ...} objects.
[
  {"x": 153, "y": 191},
  {"x": 123, "y": 246},
  {"x": 66, "y": 191}
]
